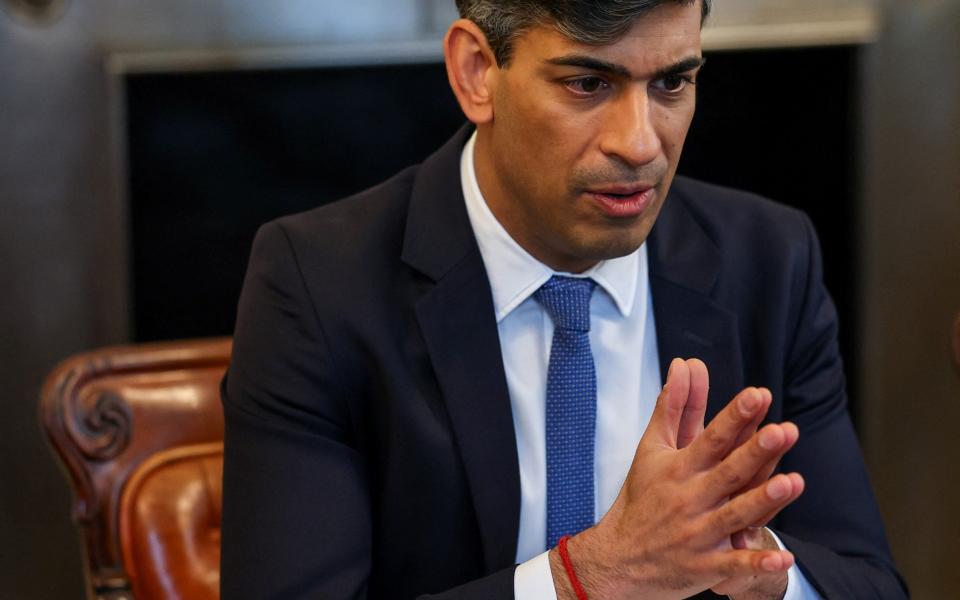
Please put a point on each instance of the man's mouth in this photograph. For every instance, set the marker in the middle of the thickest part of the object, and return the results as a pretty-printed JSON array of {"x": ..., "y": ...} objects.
[{"x": 623, "y": 201}]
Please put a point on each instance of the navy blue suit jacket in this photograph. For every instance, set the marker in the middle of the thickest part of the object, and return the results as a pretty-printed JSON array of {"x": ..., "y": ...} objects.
[{"x": 370, "y": 449}]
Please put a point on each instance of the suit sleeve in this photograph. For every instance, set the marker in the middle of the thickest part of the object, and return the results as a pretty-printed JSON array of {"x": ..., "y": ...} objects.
[
  {"x": 296, "y": 519},
  {"x": 834, "y": 529}
]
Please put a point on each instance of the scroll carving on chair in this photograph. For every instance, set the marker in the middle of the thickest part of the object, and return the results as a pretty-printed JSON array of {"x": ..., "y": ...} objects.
[{"x": 108, "y": 412}]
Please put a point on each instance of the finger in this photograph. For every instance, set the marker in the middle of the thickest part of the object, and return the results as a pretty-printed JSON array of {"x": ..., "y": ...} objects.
[
  {"x": 719, "y": 438},
  {"x": 763, "y": 474},
  {"x": 746, "y": 509},
  {"x": 691, "y": 423},
  {"x": 665, "y": 421},
  {"x": 751, "y": 428},
  {"x": 732, "y": 564},
  {"x": 792, "y": 435},
  {"x": 739, "y": 539},
  {"x": 745, "y": 463},
  {"x": 798, "y": 485},
  {"x": 754, "y": 538}
]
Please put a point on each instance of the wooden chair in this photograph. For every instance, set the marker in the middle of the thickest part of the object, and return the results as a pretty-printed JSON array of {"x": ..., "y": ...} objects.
[{"x": 139, "y": 430}]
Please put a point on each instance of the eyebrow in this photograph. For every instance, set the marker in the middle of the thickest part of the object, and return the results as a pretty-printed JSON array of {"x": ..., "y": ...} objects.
[{"x": 603, "y": 66}]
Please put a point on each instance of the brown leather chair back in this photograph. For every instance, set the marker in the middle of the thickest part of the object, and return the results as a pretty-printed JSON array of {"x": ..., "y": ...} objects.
[
  {"x": 108, "y": 414},
  {"x": 175, "y": 498}
]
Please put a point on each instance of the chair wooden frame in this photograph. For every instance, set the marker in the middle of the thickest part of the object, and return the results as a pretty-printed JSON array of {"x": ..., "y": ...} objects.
[{"x": 108, "y": 411}]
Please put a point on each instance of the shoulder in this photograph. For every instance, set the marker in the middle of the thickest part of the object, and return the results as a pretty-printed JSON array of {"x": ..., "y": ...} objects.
[
  {"x": 734, "y": 216},
  {"x": 752, "y": 233},
  {"x": 349, "y": 234},
  {"x": 360, "y": 215},
  {"x": 765, "y": 252}
]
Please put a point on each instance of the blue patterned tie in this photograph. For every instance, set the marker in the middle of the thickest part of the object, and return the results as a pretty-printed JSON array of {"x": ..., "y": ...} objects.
[{"x": 571, "y": 407}]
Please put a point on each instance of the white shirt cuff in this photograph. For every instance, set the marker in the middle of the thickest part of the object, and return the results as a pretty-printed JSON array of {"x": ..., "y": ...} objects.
[
  {"x": 533, "y": 580},
  {"x": 798, "y": 588}
]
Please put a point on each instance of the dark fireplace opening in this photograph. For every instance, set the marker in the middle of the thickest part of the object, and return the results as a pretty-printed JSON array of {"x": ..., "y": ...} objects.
[{"x": 214, "y": 155}]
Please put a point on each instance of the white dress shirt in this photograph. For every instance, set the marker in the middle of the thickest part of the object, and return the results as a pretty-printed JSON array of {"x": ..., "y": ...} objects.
[{"x": 623, "y": 340}]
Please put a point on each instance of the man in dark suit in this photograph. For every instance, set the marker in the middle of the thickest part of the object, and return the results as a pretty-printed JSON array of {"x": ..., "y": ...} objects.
[{"x": 456, "y": 371}]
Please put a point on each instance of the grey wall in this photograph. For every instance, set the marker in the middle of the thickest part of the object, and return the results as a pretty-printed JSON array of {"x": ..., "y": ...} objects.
[
  {"x": 61, "y": 245},
  {"x": 911, "y": 267}
]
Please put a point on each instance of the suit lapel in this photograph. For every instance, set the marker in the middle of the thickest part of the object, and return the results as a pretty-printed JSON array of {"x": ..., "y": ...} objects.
[
  {"x": 456, "y": 318},
  {"x": 684, "y": 266}
]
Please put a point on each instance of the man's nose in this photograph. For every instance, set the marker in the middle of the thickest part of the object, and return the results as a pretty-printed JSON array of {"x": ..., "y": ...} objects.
[{"x": 630, "y": 133}]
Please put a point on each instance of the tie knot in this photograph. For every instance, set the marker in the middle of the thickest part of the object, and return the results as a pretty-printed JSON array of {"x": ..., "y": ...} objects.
[{"x": 567, "y": 300}]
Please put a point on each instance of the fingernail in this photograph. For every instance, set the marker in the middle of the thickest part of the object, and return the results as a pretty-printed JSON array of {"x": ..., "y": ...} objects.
[
  {"x": 749, "y": 403},
  {"x": 778, "y": 489},
  {"x": 771, "y": 563},
  {"x": 769, "y": 439},
  {"x": 673, "y": 364}
]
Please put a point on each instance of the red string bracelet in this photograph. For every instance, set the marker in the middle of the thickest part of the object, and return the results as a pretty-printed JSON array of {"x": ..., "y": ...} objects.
[{"x": 568, "y": 566}]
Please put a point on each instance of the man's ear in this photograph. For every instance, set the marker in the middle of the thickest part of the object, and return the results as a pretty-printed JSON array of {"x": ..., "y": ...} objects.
[{"x": 471, "y": 69}]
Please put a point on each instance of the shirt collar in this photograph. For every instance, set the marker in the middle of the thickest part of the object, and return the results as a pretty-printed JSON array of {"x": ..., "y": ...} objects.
[{"x": 514, "y": 274}]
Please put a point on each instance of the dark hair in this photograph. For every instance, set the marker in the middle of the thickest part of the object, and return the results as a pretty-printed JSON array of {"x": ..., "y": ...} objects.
[{"x": 598, "y": 22}]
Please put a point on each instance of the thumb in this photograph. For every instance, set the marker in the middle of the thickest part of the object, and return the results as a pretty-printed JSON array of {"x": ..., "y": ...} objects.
[{"x": 665, "y": 421}]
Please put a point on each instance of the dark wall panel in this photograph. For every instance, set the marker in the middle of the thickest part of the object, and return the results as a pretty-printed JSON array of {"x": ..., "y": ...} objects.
[{"x": 215, "y": 155}]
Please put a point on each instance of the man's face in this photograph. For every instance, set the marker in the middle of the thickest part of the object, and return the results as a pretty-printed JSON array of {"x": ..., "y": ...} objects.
[{"x": 585, "y": 140}]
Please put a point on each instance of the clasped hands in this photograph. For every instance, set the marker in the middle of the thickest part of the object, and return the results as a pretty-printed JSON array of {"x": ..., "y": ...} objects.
[{"x": 688, "y": 515}]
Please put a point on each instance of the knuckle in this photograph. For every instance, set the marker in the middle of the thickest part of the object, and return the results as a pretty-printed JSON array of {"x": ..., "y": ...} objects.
[
  {"x": 682, "y": 504},
  {"x": 728, "y": 477},
  {"x": 678, "y": 469},
  {"x": 686, "y": 536},
  {"x": 730, "y": 518},
  {"x": 733, "y": 567},
  {"x": 730, "y": 568},
  {"x": 713, "y": 439},
  {"x": 749, "y": 562}
]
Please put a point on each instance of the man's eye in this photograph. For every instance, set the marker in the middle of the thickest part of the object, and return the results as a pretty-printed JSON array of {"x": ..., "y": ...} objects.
[
  {"x": 587, "y": 85},
  {"x": 675, "y": 83}
]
